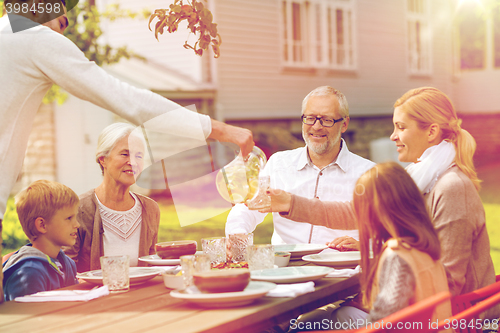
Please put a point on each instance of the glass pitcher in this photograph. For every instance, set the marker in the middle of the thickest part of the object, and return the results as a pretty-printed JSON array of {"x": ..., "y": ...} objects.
[{"x": 238, "y": 181}]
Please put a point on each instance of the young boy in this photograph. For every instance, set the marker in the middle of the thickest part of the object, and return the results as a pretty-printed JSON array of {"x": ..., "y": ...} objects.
[{"x": 47, "y": 212}]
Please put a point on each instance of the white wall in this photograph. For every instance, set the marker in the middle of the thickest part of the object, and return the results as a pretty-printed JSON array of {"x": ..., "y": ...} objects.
[
  {"x": 478, "y": 91},
  {"x": 253, "y": 85},
  {"x": 78, "y": 125},
  {"x": 135, "y": 34}
]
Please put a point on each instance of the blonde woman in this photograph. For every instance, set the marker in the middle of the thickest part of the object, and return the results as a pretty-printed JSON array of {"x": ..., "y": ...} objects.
[{"x": 427, "y": 132}]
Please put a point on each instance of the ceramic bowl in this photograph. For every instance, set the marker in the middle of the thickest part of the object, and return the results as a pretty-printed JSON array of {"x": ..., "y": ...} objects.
[
  {"x": 281, "y": 259},
  {"x": 173, "y": 280},
  {"x": 220, "y": 281},
  {"x": 175, "y": 249}
]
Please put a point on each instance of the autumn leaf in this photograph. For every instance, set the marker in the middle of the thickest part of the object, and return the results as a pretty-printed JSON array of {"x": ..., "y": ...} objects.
[{"x": 199, "y": 19}]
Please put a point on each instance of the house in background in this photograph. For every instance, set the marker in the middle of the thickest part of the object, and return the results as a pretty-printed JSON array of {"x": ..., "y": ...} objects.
[{"x": 274, "y": 52}]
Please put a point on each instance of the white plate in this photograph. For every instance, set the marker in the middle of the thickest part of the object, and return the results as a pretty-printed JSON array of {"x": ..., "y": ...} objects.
[
  {"x": 137, "y": 275},
  {"x": 291, "y": 274},
  {"x": 155, "y": 260},
  {"x": 335, "y": 259},
  {"x": 299, "y": 250},
  {"x": 253, "y": 291}
]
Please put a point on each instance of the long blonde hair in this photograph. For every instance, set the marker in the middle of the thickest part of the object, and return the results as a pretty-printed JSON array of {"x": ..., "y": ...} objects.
[
  {"x": 388, "y": 204},
  {"x": 429, "y": 105}
]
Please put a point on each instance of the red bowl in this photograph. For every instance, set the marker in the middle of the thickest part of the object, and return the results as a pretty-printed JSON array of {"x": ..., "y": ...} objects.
[
  {"x": 175, "y": 249},
  {"x": 222, "y": 281}
]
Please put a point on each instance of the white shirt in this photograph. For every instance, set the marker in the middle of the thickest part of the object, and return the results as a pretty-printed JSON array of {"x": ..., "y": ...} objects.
[
  {"x": 293, "y": 172},
  {"x": 32, "y": 60},
  {"x": 122, "y": 230}
]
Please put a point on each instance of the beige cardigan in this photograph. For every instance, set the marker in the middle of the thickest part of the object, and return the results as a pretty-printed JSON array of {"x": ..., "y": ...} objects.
[
  {"x": 89, "y": 244},
  {"x": 457, "y": 214}
]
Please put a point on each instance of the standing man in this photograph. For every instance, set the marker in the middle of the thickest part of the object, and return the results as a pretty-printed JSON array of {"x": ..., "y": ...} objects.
[
  {"x": 36, "y": 56},
  {"x": 323, "y": 169}
]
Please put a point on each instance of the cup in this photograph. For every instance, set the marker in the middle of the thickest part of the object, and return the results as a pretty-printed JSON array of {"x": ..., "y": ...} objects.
[
  {"x": 191, "y": 264},
  {"x": 261, "y": 199},
  {"x": 115, "y": 273},
  {"x": 238, "y": 246},
  {"x": 260, "y": 256},
  {"x": 215, "y": 248}
]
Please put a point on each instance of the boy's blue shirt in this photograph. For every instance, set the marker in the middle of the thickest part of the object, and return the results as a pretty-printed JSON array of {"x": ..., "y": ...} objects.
[{"x": 29, "y": 271}]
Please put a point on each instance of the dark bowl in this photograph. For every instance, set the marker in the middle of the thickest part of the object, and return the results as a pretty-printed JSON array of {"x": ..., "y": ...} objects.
[
  {"x": 175, "y": 249},
  {"x": 222, "y": 281}
]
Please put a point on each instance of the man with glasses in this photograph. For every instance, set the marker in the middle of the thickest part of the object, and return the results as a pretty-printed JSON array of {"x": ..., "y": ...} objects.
[{"x": 323, "y": 169}]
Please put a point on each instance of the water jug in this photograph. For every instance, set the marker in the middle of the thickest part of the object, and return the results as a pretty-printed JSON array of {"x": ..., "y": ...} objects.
[{"x": 238, "y": 181}]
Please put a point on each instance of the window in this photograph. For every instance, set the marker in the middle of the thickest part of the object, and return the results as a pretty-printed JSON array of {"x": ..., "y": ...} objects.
[
  {"x": 419, "y": 37},
  {"x": 472, "y": 30},
  {"x": 496, "y": 36},
  {"x": 318, "y": 34}
]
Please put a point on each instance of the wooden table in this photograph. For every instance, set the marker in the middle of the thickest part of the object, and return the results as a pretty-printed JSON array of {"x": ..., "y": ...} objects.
[{"x": 150, "y": 308}]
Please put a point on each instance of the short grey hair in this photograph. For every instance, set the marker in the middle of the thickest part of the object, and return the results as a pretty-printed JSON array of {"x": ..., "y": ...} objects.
[
  {"x": 329, "y": 91},
  {"x": 109, "y": 137}
]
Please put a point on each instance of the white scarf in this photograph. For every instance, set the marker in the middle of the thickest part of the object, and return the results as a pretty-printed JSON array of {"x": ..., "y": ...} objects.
[{"x": 430, "y": 166}]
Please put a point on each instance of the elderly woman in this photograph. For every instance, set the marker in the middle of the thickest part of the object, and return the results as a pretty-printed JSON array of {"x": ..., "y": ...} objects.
[
  {"x": 114, "y": 220},
  {"x": 427, "y": 133}
]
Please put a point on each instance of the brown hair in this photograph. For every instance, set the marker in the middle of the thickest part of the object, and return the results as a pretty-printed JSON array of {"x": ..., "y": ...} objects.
[
  {"x": 388, "y": 204},
  {"x": 42, "y": 198},
  {"x": 429, "y": 105}
]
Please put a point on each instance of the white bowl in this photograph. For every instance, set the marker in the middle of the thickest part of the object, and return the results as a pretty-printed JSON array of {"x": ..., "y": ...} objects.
[
  {"x": 173, "y": 281},
  {"x": 281, "y": 259}
]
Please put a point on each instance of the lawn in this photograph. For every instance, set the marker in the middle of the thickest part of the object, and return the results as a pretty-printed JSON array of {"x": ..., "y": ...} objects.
[
  {"x": 170, "y": 228},
  {"x": 493, "y": 226}
]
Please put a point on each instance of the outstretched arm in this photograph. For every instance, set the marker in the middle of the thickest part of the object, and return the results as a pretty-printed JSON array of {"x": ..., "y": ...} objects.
[
  {"x": 63, "y": 63},
  {"x": 344, "y": 243},
  {"x": 331, "y": 214}
]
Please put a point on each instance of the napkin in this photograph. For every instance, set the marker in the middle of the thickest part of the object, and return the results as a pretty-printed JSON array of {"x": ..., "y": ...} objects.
[
  {"x": 167, "y": 268},
  {"x": 291, "y": 290},
  {"x": 64, "y": 295},
  {"x": 348, "y": 272}
]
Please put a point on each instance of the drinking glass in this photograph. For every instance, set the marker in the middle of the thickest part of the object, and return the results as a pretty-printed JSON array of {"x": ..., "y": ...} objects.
[
  {"x": 115, "y": 273},
  {"x": 261, "y": 199},
  {"x": 238, "y": 246},
  {"x": 196, "y": 263},
  {"x": 260, "y": 256},
  {"x": 215, "y": 248}
]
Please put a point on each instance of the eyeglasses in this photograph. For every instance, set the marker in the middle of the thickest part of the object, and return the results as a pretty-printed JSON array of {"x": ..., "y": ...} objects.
[{"x": 327, "y": 122}]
